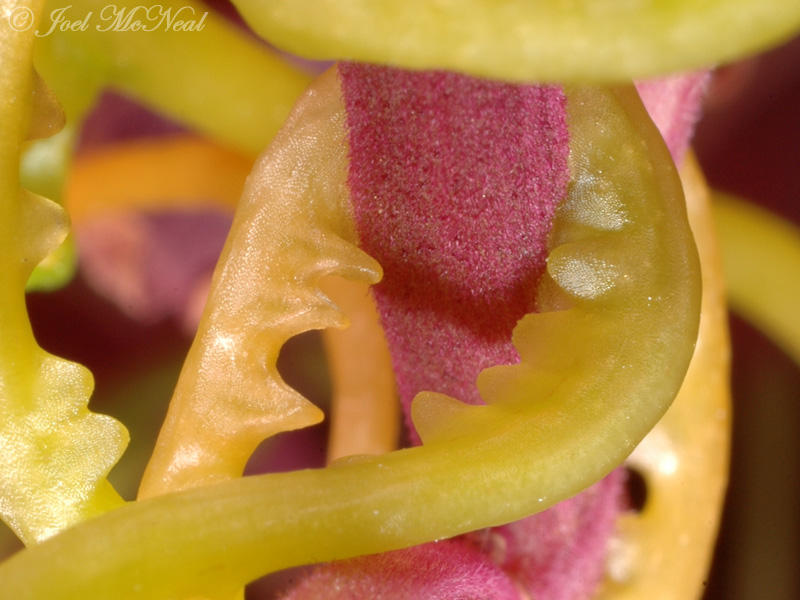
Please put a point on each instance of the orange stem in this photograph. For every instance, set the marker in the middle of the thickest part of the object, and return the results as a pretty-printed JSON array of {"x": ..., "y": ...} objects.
[{"x": 365, "y": 412}]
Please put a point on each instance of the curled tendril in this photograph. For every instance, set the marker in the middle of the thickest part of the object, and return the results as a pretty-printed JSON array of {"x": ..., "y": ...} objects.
[{"x": 554, "y": 423}]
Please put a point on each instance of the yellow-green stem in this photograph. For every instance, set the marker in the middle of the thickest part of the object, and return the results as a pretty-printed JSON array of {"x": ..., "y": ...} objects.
[{"x": 761, "y": 260}]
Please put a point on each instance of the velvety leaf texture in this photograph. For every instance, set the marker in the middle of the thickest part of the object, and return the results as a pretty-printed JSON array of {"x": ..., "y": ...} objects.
[{"x": 454, "y": 181}]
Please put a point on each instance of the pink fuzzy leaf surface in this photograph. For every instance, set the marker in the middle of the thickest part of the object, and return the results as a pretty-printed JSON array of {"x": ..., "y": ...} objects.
[
  {"x": 454, "y": 183},
  {"x": 449, "y": 570},
  {"x": 674, "y": 104}
]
